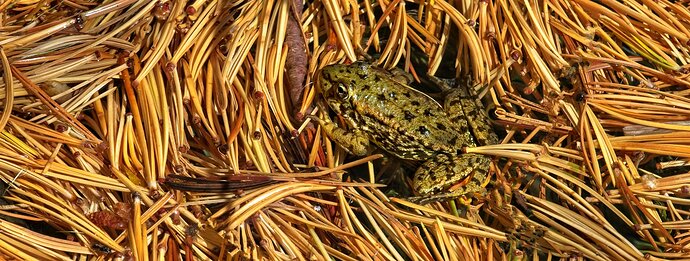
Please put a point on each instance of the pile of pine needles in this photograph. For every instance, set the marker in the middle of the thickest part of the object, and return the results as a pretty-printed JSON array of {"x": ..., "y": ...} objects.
[{"x": 139, "y": 130}]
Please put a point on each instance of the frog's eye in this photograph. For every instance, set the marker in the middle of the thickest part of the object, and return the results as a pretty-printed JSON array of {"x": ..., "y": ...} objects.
[{"x": 342, "y": 91}]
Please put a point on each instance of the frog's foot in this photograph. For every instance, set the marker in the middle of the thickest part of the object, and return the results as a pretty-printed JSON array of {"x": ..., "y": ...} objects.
[
  {"x": 397, "y": 74},
  {"x": 446, "y": 177},
  {"x": 445, "y": 85},
  {"x": 461, "y": 103},
  {"x": 359, "y": 51},
  {"x": 354, "y": 142},
  {"x": 401, "y": 76}
]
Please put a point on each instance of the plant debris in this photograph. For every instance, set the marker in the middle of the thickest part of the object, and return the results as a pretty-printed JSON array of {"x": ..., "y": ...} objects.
[{"x": 141, "y": 130}]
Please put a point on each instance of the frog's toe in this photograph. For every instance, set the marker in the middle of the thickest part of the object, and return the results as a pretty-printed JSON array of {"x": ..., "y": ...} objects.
[
  {"x": 445, "y": 85},
  {"x": 401, "y": 76}
]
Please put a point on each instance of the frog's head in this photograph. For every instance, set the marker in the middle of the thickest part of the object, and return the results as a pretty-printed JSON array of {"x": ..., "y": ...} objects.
[{"x": 339, "y": 84}]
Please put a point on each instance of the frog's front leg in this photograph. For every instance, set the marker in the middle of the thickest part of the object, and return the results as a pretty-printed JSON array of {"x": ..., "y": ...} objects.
[
  {"x": 354, "y": 142},
  {"x": 445, "y": 177}
]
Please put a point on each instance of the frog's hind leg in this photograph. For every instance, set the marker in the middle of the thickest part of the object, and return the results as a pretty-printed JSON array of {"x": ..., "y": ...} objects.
[
  {"x": 463, "y": 102},
  {"x": 446, "y": 177}
]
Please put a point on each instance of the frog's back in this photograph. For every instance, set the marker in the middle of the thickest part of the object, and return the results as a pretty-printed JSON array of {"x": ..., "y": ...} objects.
[{"x": 399, "y": 119}]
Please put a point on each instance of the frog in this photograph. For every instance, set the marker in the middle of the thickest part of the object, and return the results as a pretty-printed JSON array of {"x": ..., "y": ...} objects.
[{"x": 382, "y": 111}]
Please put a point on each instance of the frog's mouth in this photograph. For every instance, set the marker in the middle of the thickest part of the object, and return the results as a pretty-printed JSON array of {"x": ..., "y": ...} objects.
[
  {"x": 324, "y": 87},
  {"x": 336, "y": 105}
]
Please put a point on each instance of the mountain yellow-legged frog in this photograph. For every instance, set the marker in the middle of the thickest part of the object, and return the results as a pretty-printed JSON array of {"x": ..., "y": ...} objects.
[{"x": 382, "y": 110}]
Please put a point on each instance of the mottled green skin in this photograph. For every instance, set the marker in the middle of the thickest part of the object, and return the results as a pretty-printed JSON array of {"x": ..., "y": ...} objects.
[{"x": 381, "y": 109}]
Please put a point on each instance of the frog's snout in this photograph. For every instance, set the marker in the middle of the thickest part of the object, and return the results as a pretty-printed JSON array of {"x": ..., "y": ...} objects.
[
  {"x": 327, "y": 77},
  {"x": 322, "y": 82}
]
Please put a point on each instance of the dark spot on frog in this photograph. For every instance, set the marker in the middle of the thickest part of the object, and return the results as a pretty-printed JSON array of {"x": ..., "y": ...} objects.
[
  {"x": 408, "y": 115},
  {"x": 407, "y": 94},
  {"x": 366, "y": 87},
  {"x": 381, "y": 96},
  {"x": 377, "y": 78},
  {"x": 454, "y": 102},
  {"x": 423, "y": 130},
  {"x": 327, "y": 76},
  {"x": 415, "y": 103},
  {"x": 343, "y": 107},
  {"x": 427, "y": 112},
  {"x": 441, "y": 126},
  {"x": 449, "y": 176},
  {"x": 454, "y": 140},
  {"x": 471, "y": 114}
]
